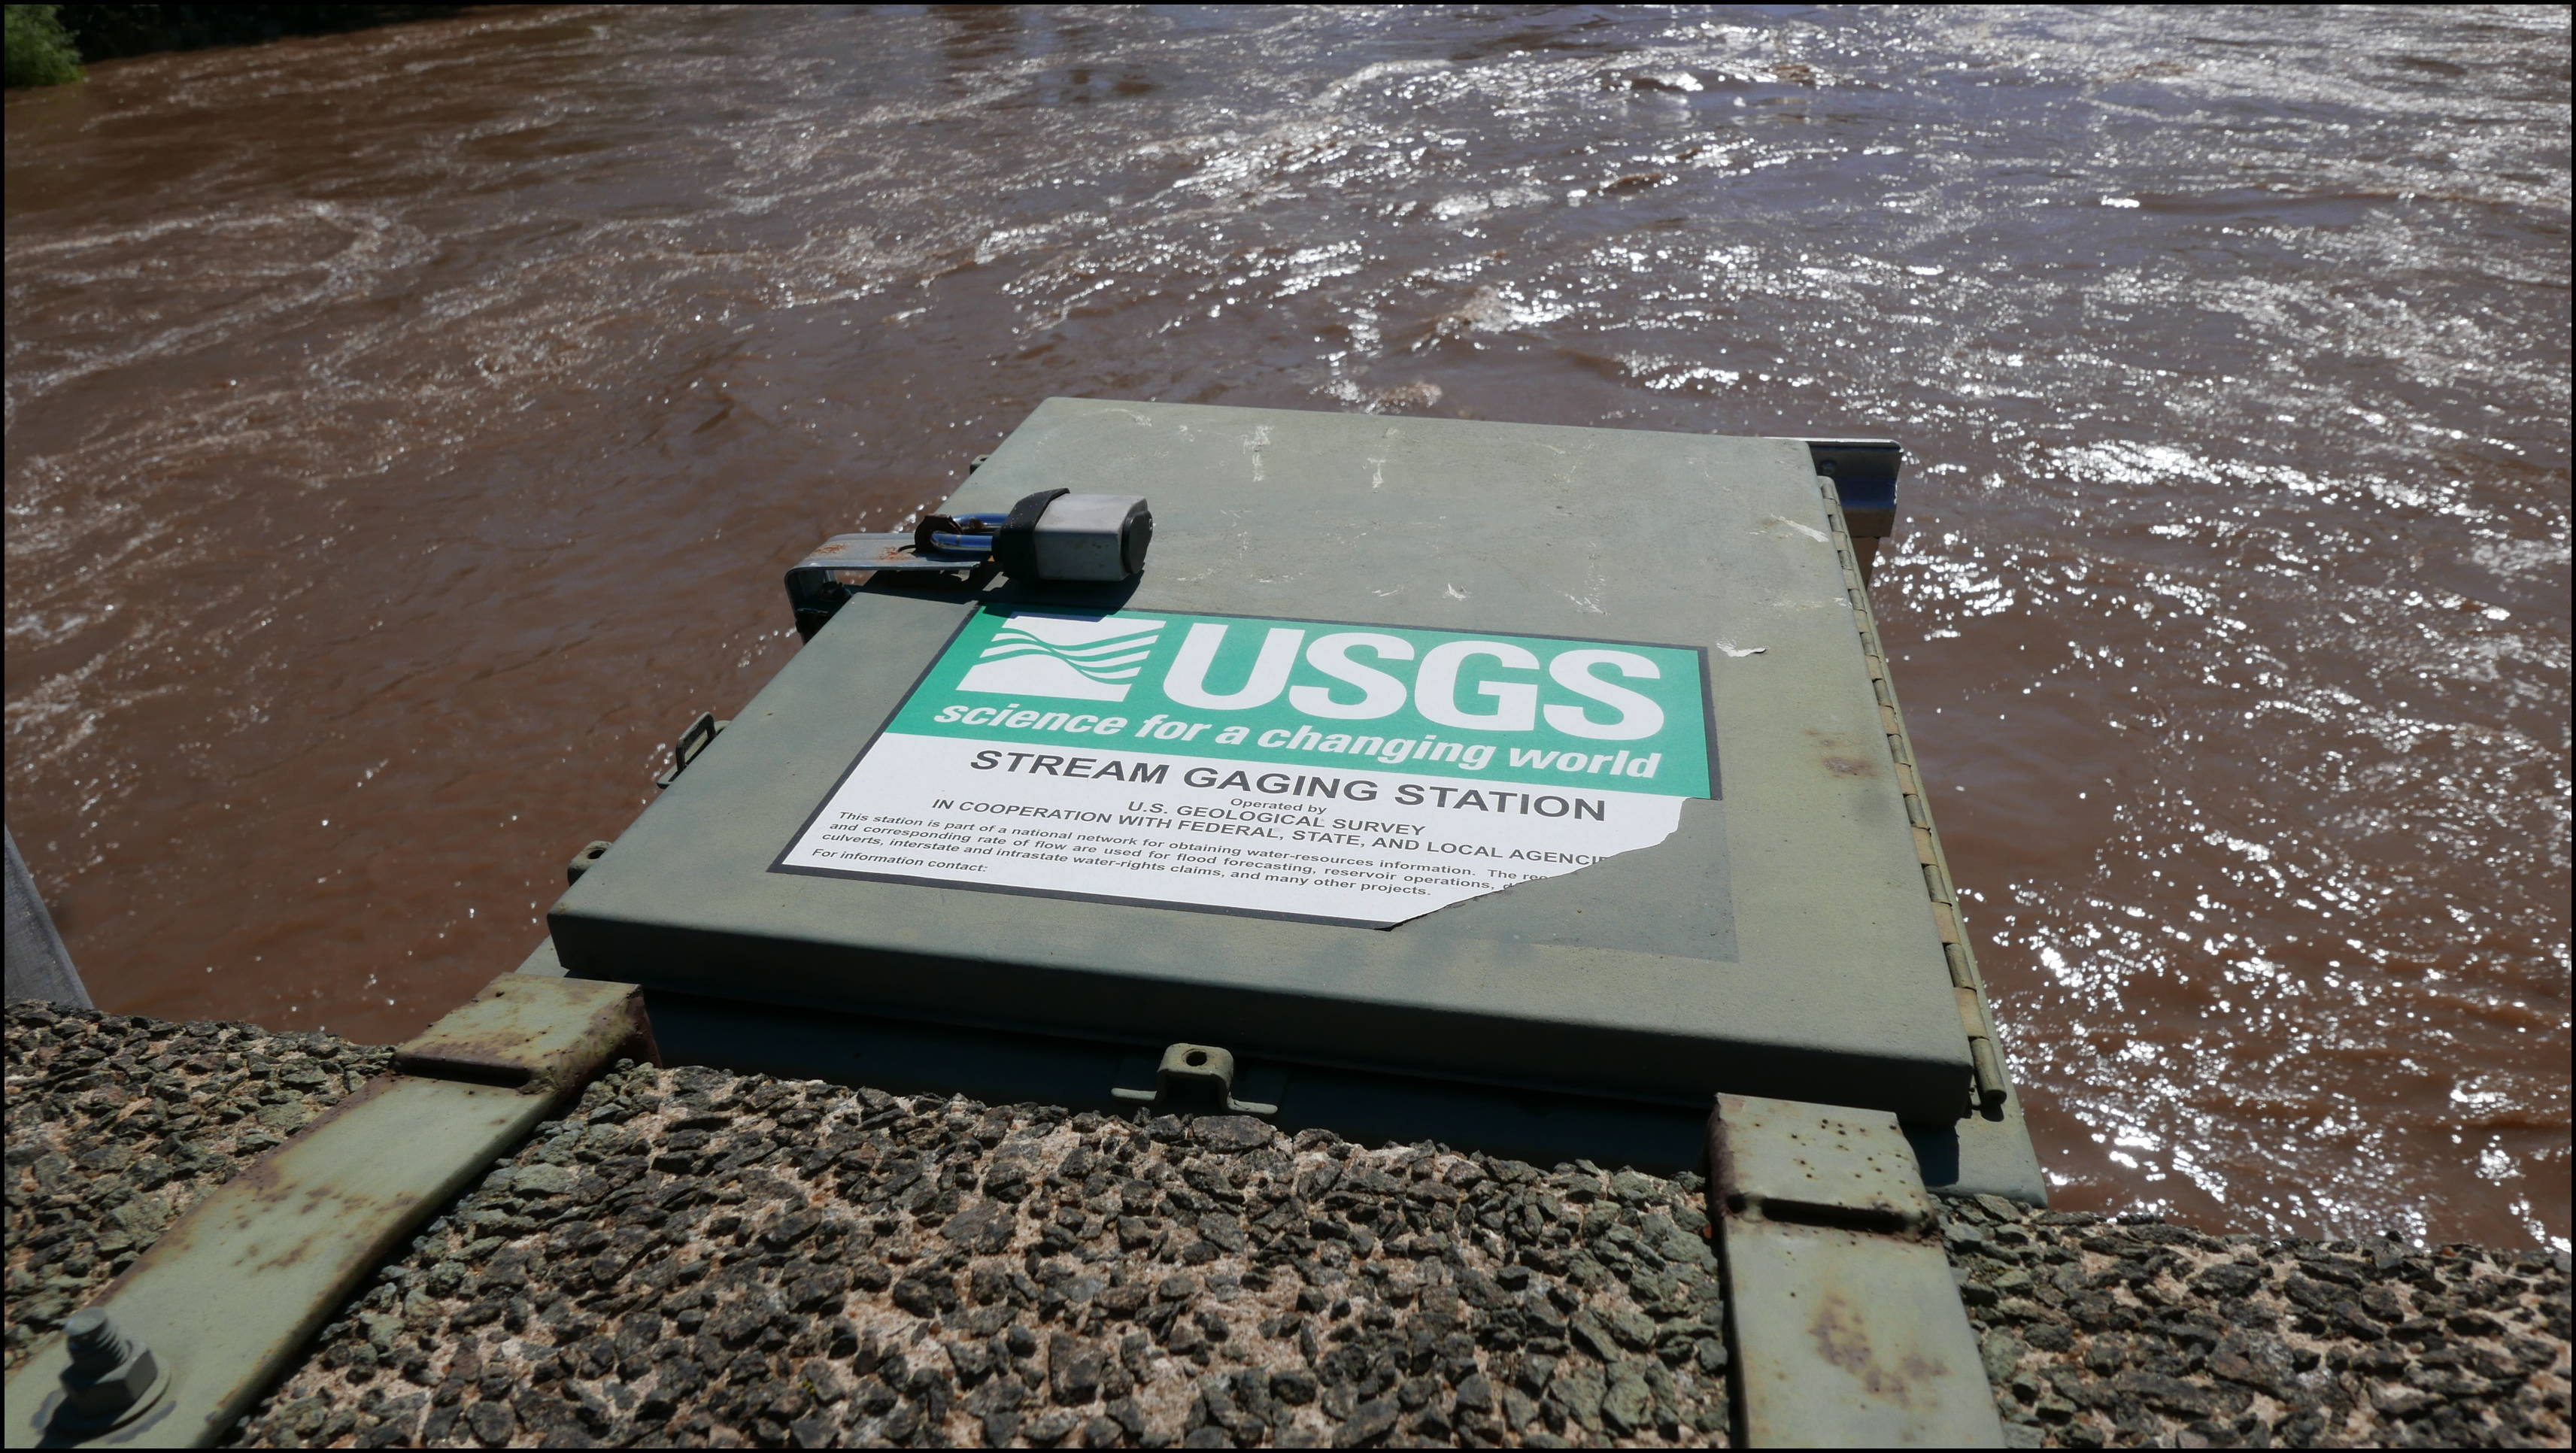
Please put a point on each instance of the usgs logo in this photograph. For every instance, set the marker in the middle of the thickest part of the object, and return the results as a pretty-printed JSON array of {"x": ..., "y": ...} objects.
[
  {"x": 1530, "y": 708},
  {"x": 1489, "y": 686}
]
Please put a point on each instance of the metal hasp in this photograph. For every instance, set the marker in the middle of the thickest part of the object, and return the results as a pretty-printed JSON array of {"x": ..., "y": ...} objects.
[
  {"x": 816, "y": 590},
  {"x": 1781, "y": 940},
  {"x": 581, "y": 861},
  {"x": 1050, "y": 534},
  {"x": 230, "y": 1294},
  {"x": 1844, "y": 1322}
]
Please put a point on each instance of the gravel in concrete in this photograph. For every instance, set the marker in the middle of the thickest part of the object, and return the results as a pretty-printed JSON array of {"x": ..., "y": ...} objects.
[
  {"x": 2132, "y": 1332},
  {"x": 693, "y": 1257},
  {"x": 696, "y": 1257},
  {"x": 119, "y": 1124}
]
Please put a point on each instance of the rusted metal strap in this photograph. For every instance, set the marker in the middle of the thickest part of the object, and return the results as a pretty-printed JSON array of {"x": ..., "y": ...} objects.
[
  {"x": 1844, "y": 1323},
  {"x": 232, "y": 1292},
  {"x": 533, "y": 1034}
]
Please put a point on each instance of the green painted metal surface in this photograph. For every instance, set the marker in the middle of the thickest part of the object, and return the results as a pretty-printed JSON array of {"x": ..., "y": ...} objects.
[
  {"x": 1780, "y": 1160},
  {"x": 1844, "y": 1324},
  {"x": 233, "y": 1290},
  {"x": 1845, "y": 1339},
  {"x": 244, "y": 1280},
  {"x": 1779, "y": 941},
  {"x": 1986, "y": 1154},
  {"x": 535, "y": 1034}
]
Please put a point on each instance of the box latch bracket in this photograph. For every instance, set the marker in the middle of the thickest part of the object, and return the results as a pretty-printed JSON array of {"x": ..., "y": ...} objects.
[{"x": 1195, "y": 1079}]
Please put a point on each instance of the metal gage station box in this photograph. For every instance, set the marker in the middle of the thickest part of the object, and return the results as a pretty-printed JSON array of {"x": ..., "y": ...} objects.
[{"x": 1643, "y": 841}]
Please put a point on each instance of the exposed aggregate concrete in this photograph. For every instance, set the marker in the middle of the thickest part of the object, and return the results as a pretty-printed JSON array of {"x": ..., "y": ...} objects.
[
  {"x": 698, "y": 1257},
  {"x": 2133, "y": 1332},
  {"x": 694, "y": 1257},
  {"x": 119, "y": 1124}
]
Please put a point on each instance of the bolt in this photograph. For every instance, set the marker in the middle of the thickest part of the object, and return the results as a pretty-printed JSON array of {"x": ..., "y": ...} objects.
[
  {"x": 111, "y": 1374},
  {"x": 97, "y": 1347}
]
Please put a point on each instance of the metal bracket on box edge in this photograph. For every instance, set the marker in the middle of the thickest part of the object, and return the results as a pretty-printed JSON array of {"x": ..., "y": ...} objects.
[
  {"x": 1843, "y": 1322},
  {"x": 1195, "y": 1079},
  {"x": 700, "y": 735},
  {"x": 1864, "y": 473}
]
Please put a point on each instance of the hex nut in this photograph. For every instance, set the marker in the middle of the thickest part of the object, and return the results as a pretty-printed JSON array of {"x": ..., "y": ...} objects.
[
  {"x": 111, "y": 1374},
  {"x": 120, "y": 1388}
]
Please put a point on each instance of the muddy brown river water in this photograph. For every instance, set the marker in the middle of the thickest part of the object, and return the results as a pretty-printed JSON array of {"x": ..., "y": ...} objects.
[{"x": 406, "y": 431}]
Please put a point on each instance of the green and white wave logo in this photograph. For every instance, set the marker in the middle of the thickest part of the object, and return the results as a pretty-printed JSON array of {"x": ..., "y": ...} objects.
[
  {"x": 1080, "y": 658},
  {"x": 1536, "y": 710}
]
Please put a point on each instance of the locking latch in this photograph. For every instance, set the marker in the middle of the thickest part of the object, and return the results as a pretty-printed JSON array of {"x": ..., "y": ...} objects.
[{"x": 1053, "y": 534}]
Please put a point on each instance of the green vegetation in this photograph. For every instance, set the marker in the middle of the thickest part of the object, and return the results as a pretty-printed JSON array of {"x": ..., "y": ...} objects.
[
  {"x": 40, "y": 50},
  {"x": 48, "y": 43}
]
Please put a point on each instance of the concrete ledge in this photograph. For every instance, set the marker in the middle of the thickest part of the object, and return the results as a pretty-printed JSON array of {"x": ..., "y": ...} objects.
[
  {"x": 225, "y": 1301},
  {"x": 2136, "y": 1333},
  {"x": 118, "y": 1125},
  {"x": 691, "y": 1257}
]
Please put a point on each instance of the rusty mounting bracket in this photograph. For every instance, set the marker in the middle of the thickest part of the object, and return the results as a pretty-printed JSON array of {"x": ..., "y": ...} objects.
[
  {"x": 1843, "y": 1321},
  {"x": 224, "y": 1302},
  {"x": 537, "y": 1036}
]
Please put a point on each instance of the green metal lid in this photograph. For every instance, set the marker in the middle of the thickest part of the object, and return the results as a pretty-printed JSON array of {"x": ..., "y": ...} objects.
[{"x": 1457, "y": 585}]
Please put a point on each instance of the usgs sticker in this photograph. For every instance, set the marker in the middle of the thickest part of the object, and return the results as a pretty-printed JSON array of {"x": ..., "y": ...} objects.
[{"x": 1345, "y": 774}]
